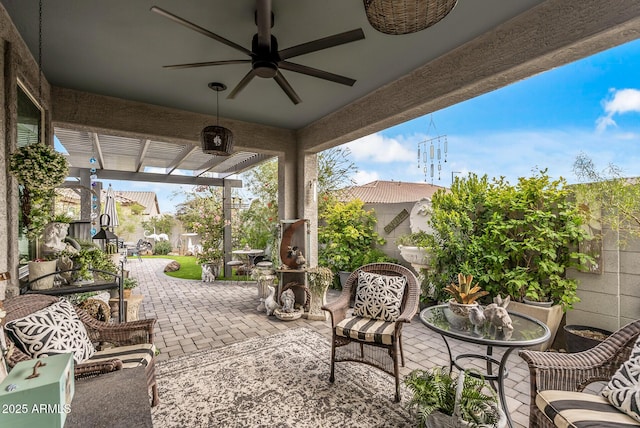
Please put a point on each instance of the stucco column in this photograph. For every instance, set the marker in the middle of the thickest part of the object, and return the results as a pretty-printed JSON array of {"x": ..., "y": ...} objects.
[
  {"x": 308, "y": 201},
  {"x": 226, "y": 237}
]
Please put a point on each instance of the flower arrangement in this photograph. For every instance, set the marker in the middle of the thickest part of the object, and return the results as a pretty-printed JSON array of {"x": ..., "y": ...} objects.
[{"x": 38, "y": 169}]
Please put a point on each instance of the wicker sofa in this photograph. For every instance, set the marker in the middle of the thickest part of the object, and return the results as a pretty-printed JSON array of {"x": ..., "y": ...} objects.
[
  {"x": 130, "y": 343},
  {"x": 559, "y": 379}
]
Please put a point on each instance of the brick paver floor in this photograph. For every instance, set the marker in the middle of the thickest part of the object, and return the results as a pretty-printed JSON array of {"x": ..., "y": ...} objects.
[{"x": 194, "y": 315}]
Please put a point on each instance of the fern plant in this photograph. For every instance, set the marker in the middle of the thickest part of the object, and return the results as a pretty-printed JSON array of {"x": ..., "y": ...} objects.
[{"x": 435, "y": 391}]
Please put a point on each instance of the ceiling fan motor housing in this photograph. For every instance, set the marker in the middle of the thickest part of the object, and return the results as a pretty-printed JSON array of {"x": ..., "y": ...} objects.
[{"x": 265, "y": 59}]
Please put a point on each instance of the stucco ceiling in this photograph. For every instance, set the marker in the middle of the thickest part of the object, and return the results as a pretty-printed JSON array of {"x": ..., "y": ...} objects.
[{"x": 118, "y": 47}]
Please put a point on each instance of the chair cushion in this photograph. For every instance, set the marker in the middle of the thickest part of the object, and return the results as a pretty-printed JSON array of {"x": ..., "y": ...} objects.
[
  {"x": 378, "y": 296},
  {"x": 581, "y": 410},
  {"x": 623, "y": 390},
  {"x": 132, "y": 356},
  {"x": 367, "y": 330},
  {"x": 53, "y": 330}
]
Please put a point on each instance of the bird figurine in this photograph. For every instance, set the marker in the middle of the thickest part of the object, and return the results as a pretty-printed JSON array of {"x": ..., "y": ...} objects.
[
  {"x": 476, "y": 316},
  {"x": 270, "y": 302}
]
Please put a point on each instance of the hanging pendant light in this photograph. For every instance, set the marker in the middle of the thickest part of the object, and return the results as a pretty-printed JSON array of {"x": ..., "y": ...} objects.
[
  {"x": 406, "y": 16},
  {"x": 217, "y": 140}
]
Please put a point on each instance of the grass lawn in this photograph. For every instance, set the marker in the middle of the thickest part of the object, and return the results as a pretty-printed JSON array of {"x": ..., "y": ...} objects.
[{"x": 189, "y": 268}]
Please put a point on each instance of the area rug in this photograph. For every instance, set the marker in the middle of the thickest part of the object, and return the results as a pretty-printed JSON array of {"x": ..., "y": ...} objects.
[{"x": 275, "y": 381}]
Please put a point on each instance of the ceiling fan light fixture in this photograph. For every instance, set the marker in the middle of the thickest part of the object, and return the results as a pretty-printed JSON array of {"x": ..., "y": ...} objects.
[
  {"x": 406, "y": 16},
  {"x": 215, "y": 139}
]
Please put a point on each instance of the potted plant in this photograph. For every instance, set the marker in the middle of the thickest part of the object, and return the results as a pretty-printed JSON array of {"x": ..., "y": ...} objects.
[
  {"x": 128, "y": 285},
  {"x": 442, "y": 400},
  {"x": 518, "y": 240},
  {"x": 319, "y": 278},
  {"x": 464, "y": 295},
  {"x": 39, "y": 169}
]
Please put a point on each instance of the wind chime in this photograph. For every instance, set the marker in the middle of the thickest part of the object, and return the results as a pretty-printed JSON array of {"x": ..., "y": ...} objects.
[
  {"x": 94, "y": 197},
  {"x": 430, "y": 151}
]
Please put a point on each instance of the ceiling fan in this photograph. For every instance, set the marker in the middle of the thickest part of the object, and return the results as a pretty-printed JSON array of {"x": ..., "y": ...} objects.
[{"x": 266, "y": 60}]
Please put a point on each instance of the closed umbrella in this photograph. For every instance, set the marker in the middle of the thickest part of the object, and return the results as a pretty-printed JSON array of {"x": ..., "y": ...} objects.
[{"x": 110, "y": 208}]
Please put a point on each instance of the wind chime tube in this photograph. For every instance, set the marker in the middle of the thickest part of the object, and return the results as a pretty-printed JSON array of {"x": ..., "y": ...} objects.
[{"x": 431, "y": 151}]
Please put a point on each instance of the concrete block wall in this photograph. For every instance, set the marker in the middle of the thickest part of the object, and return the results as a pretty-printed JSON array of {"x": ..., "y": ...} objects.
[{"x": 610, "y": 299}]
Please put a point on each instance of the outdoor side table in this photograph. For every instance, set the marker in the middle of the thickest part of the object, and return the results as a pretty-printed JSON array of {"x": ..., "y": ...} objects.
[{"x": 526, "y": 331}]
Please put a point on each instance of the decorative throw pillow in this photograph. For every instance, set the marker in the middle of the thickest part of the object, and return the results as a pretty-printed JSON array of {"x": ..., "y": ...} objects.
[
  {"x": 53, "y": 330},
  {"x": 378, "y": 296},
  {"x": 623, "y": 390}
]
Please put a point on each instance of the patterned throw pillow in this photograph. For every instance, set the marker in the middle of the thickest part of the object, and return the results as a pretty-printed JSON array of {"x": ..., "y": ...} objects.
[
  {"x": 53, "y": 330},
  {"x": 623, "y": 390},
  {"x": 378, "y": 296}
]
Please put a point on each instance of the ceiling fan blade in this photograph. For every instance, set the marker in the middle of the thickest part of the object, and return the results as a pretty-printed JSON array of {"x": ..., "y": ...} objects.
[
  {"x": 244, "y": 82},
  {"x": 206, "y": 64},
  {"x": 286, "y": 87},
  {"x": 310, "y": 71},
  {"x": 324, "y": 43},
  {"x": 263, "y": 20},
  {"x": 199, "y": 29}
]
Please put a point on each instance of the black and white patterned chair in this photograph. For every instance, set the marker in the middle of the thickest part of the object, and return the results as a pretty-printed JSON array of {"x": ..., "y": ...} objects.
[
  {"x": 558, "y": 381},
  {"x": 383, "y": 296}
]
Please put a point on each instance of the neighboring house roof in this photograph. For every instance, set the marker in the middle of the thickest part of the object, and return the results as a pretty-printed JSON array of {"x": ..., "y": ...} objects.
[
  {"x": 390, "y": 192},
  {"x": 149, "y": 200}
]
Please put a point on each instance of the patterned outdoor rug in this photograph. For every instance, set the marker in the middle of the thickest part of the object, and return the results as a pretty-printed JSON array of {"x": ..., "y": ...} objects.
[{"x": 275, "y": 381}]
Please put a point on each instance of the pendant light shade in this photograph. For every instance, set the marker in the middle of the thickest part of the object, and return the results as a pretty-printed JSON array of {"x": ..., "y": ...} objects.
[
  {"x": 406, "y": 16},
  {"x": 215, "y": 139}
]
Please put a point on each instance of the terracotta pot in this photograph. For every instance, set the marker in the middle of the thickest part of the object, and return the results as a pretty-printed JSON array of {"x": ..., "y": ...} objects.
[{"x": 126, "y": 293}]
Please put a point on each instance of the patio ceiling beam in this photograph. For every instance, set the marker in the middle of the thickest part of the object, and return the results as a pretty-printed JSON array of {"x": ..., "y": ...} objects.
[
  {"x": 106, "y": 174},
  {"x": 552, "y": 34},
  {"x": 97, "y": 149},
  {"x": 184, "y": 153},
  {"x": 143, "y": 153}
]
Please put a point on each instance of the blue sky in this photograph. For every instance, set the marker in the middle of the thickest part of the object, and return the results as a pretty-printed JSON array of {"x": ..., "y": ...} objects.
[{"x": 590, "y": 106}]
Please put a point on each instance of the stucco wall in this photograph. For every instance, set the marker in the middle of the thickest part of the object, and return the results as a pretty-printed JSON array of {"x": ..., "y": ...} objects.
[
  {"x": 16, "y": 62},
  {"x": 385, "y": 213},
  {"x": 611, "y": 299}
]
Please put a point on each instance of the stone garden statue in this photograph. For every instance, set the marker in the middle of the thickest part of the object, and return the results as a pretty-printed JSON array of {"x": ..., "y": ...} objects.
[{"x": 288, "y": 299}]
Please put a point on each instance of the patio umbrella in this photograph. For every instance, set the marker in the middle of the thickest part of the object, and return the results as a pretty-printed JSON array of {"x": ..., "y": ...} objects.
[{"x": 110, "y": 208}]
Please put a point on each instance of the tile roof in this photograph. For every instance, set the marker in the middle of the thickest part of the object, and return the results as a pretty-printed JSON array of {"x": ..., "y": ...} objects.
[{"x": 389, "y": 192}]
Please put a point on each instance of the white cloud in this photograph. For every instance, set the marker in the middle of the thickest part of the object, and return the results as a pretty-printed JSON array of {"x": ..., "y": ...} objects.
[
  {"x": 381, "y": 149},
  {"x": 622, "y": 101},
  {"x": 364, "y": 177}
]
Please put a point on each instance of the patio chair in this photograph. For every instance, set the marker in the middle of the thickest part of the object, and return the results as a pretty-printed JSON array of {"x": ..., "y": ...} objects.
[
  {"x": 132, "y": 341},
  {"x": 367, "y": 337},
  {"x": 559, "y": 379}
]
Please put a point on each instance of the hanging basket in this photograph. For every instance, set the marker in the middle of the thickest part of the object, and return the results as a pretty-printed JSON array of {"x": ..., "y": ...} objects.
[{"x": 406, "y": 16}]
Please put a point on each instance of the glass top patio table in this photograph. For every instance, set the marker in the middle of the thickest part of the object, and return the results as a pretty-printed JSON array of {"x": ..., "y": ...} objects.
[{"x": 526, "y": 331}]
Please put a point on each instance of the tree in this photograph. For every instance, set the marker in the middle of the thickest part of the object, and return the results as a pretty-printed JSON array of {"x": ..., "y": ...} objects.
[
  {"x": 202, "y": 213},
  {"x": 607, "y": 196},
  {"x": 160, "y": 224}
]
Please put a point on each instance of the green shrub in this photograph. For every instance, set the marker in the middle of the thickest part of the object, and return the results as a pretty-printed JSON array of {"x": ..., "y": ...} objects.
[
  {"x": 517, "y": 240},
  {"x": 162, "y": 248}
]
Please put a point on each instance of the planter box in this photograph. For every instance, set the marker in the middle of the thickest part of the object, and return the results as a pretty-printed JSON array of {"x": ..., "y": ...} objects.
[{"x": 550, "y": 316}]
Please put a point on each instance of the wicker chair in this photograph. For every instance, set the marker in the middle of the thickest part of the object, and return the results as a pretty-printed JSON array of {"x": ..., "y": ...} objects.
[
  {"x": 574, "y": 372},
  {"x": 365, "y": 349},
  {"x": 126, "y": 334}
]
